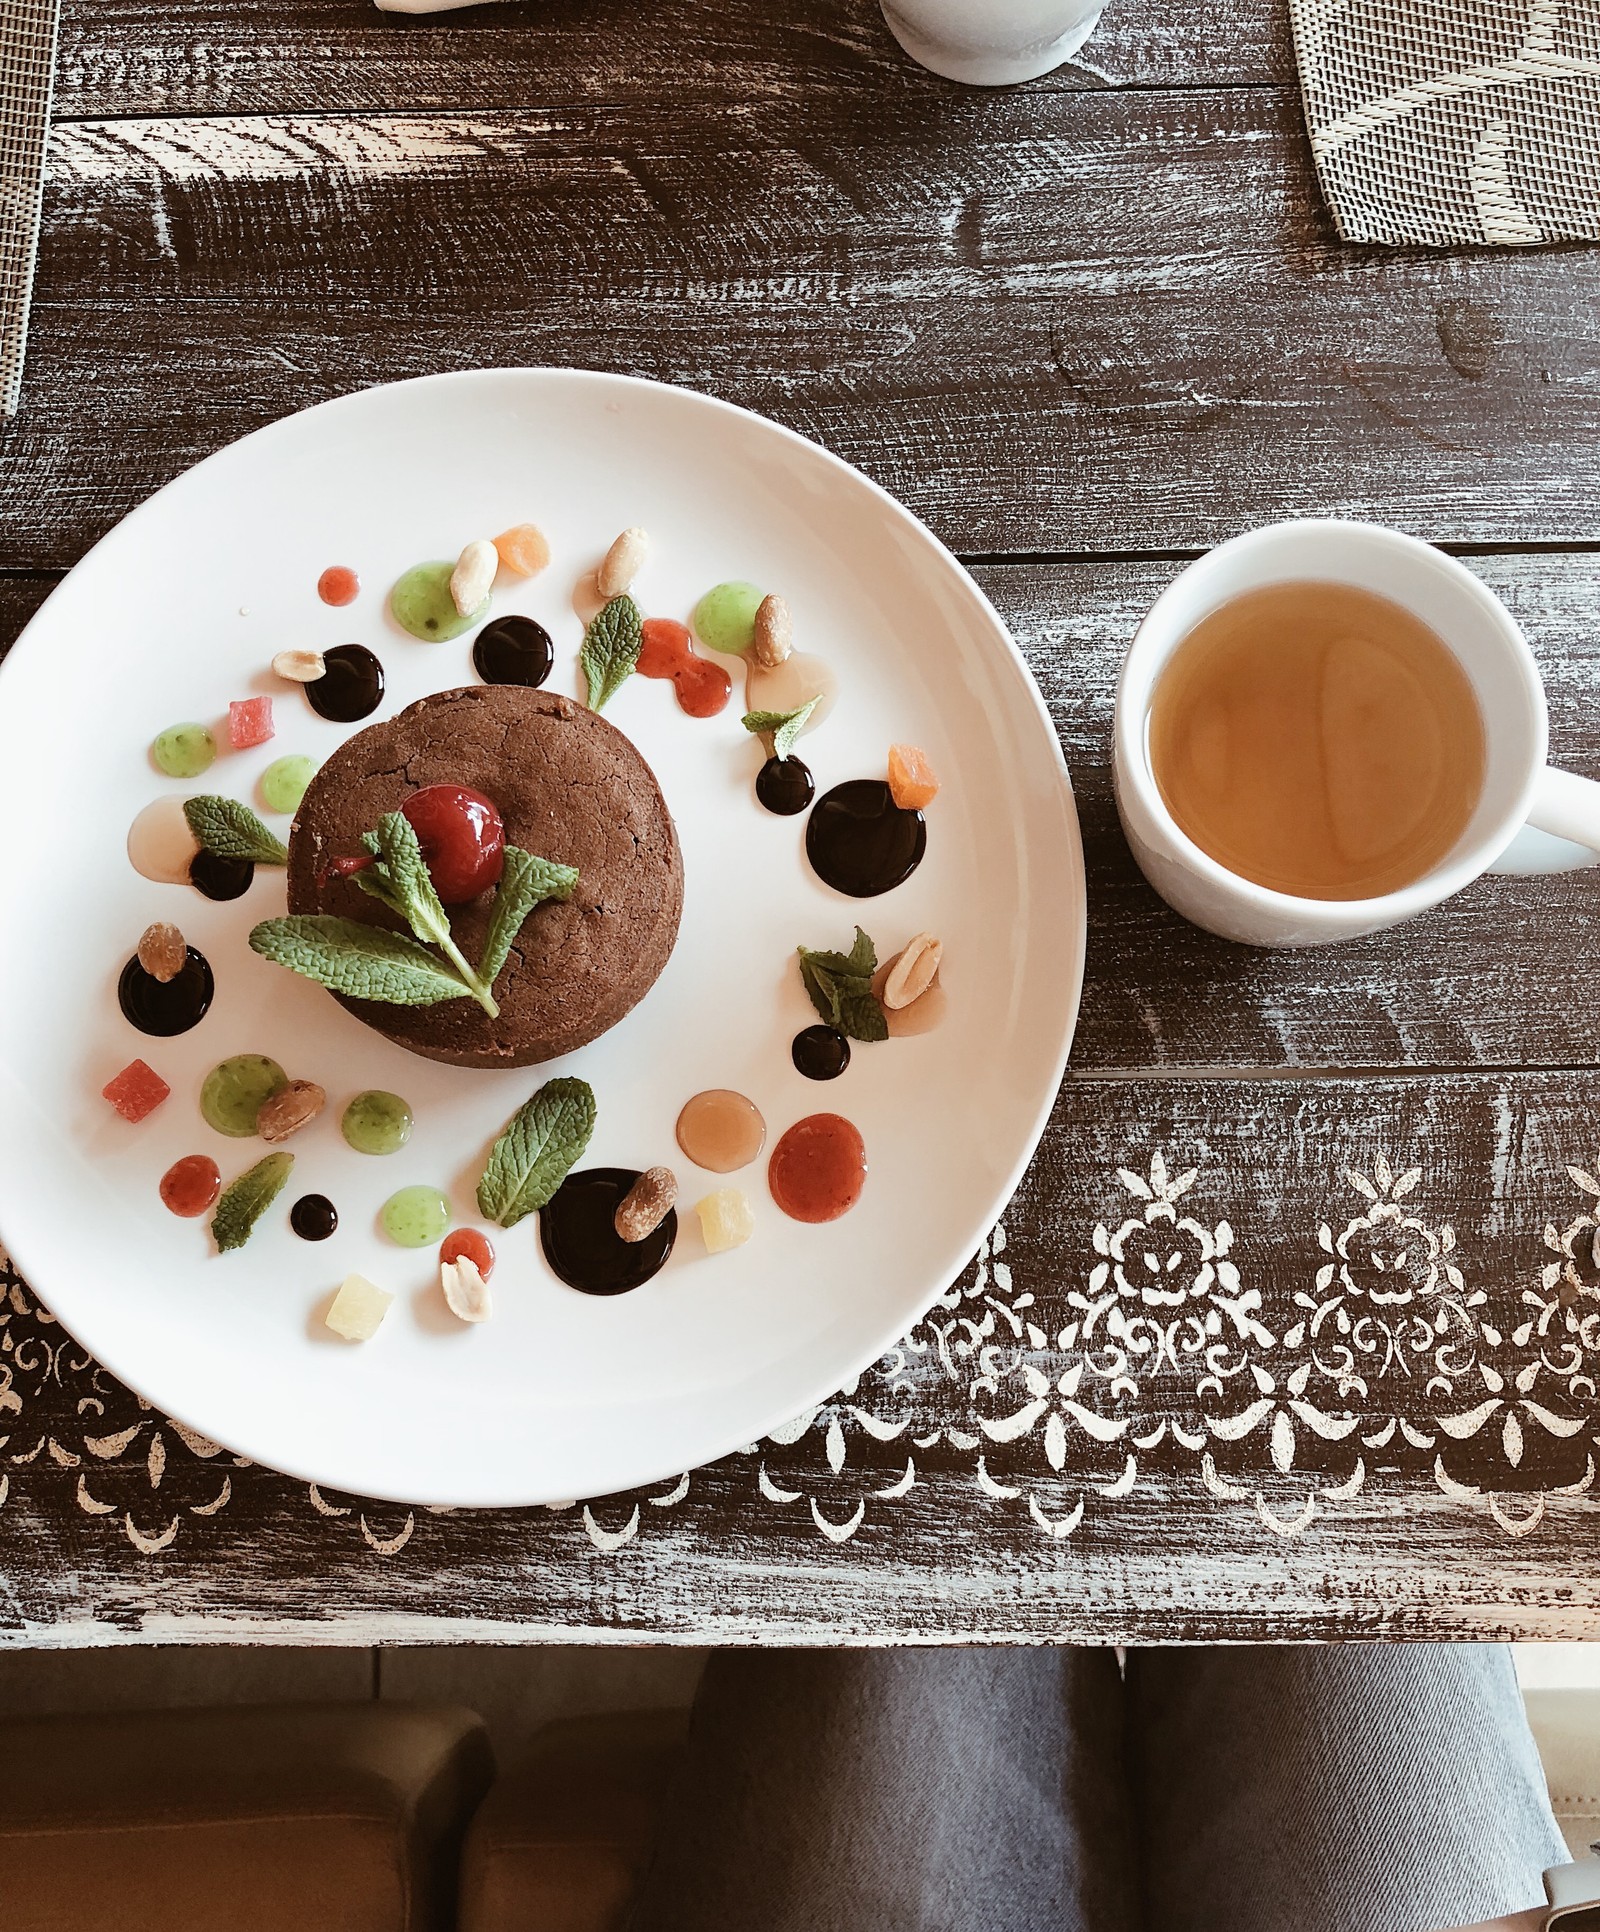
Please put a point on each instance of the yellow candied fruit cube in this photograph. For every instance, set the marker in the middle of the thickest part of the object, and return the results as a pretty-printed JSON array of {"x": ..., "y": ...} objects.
[
  {"x": 358, "y": 1309},
  {"x": 726, "y": 1220},
  {"x": 523, "y": 551}
]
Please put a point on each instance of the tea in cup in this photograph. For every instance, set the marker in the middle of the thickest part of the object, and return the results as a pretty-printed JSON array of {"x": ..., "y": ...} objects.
[{"x": 1326, "y": 727}]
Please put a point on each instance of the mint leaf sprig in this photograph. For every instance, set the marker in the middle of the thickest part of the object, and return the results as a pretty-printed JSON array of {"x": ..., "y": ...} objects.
[
  {"x": 610, "y": 652},
  {"x": 244, "y": 1201},
  {"x": 232, "y": 831},
  {"x": 371, "y": 963},
  {"x": 782, "y": 727},
  {"x": 840, "y": 986},
  {"x": 539, "y": 1146}
]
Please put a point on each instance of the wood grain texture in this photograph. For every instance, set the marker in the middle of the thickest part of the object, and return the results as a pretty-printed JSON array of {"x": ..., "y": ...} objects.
[
  {"x": 1502, "y": 976},
  {"x": 342, "y": 56},
  {"x": 1059, "y": 322},
  {"x": 936, "y": 1499}
]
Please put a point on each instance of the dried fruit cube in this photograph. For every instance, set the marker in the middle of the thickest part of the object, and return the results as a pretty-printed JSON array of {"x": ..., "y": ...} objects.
[
  {"x": 725, "y": 1220},
  {"x": 523, "y": 551},
  {"x": 249, "y": 722},
  {"x": 357, "y": 1311},
  {"x": 911, "y": 778},
  {"x": 136, "y": 1091}
]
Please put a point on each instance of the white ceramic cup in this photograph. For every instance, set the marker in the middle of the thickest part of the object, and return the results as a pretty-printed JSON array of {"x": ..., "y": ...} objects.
[
  {"x": 1519, "y": 789},
  {"x": 991, "y": 43}
]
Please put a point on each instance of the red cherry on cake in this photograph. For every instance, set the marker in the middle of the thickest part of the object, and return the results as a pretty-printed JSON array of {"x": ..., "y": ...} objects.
[{"x": 462, "y": 838}]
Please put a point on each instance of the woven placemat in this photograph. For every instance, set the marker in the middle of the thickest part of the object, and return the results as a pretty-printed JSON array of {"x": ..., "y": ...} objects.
[
  {"x": 1438, "y": 121},
  {"x": 27, "y": 67}
]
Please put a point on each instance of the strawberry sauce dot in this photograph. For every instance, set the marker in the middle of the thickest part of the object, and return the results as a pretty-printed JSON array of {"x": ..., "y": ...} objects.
[
  {"x": 818, "y": 1168},
  {"x": 338, "y": 585},
  {"x": 666, "y": 651},
  {"x": 477, "y": 1248},
  {"x": 191, "y": 1185}
]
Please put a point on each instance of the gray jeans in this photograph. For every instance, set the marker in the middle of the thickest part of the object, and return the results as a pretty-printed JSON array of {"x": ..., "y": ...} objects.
[{"x": 1327, "y": 1789}]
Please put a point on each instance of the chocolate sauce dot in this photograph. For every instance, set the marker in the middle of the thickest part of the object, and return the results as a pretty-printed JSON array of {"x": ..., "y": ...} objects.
[
  {"x": 785, "y": 786},
  {"x": 580, "y": 1240},
  {"x": 513, "y": 650},
  {"x": 220, "y": 878},
  {"x": 860, "y": 842},
  {"x": 820, "y": 1053},
  {"x": 351, "y": 685},
  {"x": 165, "y": 1007},
  {"x": 313, "y": 1217}
]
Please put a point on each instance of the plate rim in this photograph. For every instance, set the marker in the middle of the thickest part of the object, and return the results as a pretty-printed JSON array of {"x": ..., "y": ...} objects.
[{"x": 1075, "y": 886}]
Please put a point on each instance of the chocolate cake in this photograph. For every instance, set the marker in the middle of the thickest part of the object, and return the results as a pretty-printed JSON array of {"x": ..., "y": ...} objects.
[{"x": 571, "y": 788}]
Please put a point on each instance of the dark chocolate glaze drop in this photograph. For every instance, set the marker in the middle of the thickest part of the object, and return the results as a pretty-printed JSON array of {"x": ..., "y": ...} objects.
[
  {"x": 351, "y": 685},
  {"x": 513, "y": 650},
  {"x": 313, "y": 1217},
  {"x": 220, "y": 878},
  {"x": 785, "y": 786},
  {"x": 580, "y": 1240},
  {"x": 165, "y": 1007},
  {"x": 860, "y": 842},
  {"x": 820, "y": 1053}
]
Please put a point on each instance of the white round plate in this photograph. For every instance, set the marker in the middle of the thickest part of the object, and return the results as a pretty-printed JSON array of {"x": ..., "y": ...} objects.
[{"x": 560, "y": 1395}]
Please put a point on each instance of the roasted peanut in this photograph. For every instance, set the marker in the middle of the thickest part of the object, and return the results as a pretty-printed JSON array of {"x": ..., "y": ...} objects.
[
  {"x": 621, "y": 563},
  {"x": 646, "y": 1204},
  {"x": 773, "y": 631},
  {"x": 289, "y": 1109},
  {"x": 912, "y": 973}
]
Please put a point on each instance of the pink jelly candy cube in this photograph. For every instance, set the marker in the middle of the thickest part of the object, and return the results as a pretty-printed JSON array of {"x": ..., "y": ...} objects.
[
  {"x": 136, "y": 1091},
  {"x": 249, "y": 722}
]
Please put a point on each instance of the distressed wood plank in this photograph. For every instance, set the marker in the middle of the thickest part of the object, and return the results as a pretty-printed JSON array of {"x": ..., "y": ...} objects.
[
  {"x": 1074, "y": 323},
  {"x": 1394, "y": 1498},
  {"x": 1502, "y": 976},
  {"x": 327, "y": 56}
]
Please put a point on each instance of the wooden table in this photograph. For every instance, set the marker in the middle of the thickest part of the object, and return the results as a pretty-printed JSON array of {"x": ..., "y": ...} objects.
[{"x": 1293, "y": 1328}]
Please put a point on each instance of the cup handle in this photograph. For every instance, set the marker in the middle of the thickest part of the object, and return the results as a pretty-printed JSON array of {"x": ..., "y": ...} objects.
[{"x": 1563, "y": 829}]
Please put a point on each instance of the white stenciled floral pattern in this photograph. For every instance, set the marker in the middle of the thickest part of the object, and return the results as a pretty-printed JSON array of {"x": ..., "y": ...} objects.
[{"x": 1285, "y": 1370}]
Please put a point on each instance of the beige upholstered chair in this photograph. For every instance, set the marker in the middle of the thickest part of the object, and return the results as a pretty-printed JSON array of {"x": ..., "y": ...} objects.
[{"x": 293, "y": 1818}]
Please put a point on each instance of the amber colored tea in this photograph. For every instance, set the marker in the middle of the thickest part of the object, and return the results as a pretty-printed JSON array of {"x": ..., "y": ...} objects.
[{"x": 1318, "y": 739}]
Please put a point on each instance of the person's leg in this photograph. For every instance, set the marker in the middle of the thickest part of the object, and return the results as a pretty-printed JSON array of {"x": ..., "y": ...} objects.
[
  {"x": 898, "y": 1791},
  {"x": 1335, "y": 1788}
]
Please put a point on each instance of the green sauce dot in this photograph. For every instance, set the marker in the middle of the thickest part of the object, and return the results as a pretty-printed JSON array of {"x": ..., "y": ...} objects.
[
  {"x": 416, "y": 1217},
  {"x": 232, "y": 1094},
  {"x": 376, "y": 1122},
  {"x": 284, "y": 782},
  {"x": 724, "y": 619},
  {"x": 422, "y": 604},
  {"x": 183, "y": 750}
]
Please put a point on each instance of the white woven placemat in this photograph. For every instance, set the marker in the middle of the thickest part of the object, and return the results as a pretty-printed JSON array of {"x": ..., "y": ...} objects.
[
  {"x": 1439, "y": 121},
  {"x": 27, "y": 65}
]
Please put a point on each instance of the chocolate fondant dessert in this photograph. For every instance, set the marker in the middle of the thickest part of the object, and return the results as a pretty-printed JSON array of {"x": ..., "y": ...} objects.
[{"x": 570, "y": 788}]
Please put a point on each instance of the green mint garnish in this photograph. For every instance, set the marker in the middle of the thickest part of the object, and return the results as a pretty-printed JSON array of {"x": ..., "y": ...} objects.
[
  {"x": 783, "y": 727},
  {"x": 539, "y": 1147},
  {"x": 232, "y": 830},
  {"x": 371, "y": 963},
  {"x": 840, "y": 985},
  {"x": 245, "y": 1200},
  {"x": 362, "y": 962},
  {"x": 611, "y": 650},
  {"x": 524, "y": 884}
]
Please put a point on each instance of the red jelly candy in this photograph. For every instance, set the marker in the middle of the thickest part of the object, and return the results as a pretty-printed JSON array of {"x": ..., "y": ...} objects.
[
  {"x": 818, "y": 1168},
  {"x": 666, "y": 651},
  {"x": 249, "y": 722},
  {"x": 136, "y": 1091},
  {"x": 477, "y": 1248},
  {"x": 338, "y": 585},
  {"x": 190, "y": 1186}
]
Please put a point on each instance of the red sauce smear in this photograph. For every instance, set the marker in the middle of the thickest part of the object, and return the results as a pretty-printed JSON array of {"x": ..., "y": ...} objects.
[
  {"x": 818, "y": 1168},
  {"x": 666, "y": 651},
  {"x": 190, "y": 1186},
  {"x": 338, "y": 585},
  {"x": 478, "y": 1249}
]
